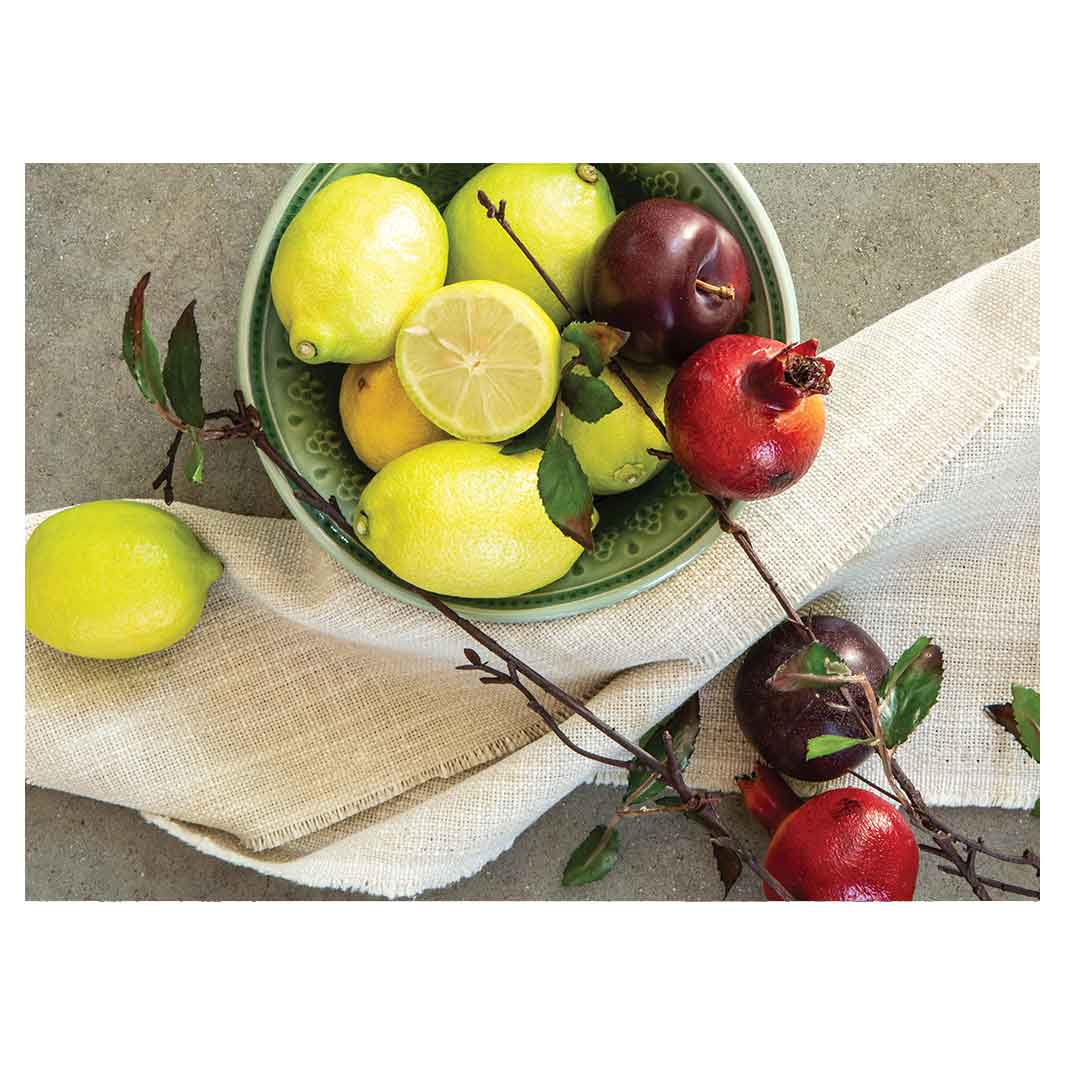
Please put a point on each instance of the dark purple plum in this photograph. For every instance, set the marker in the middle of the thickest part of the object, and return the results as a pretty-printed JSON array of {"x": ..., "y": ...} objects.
[
  {"x": 672, "y": 275},
  {"x": 780, "y": 723}
]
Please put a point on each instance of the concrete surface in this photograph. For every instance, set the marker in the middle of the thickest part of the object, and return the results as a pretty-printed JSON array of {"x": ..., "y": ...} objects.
[{"x": 861, "y": 241}]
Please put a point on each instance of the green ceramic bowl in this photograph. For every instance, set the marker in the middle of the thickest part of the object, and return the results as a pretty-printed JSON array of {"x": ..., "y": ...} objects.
[{"x": 643, "y": 536}]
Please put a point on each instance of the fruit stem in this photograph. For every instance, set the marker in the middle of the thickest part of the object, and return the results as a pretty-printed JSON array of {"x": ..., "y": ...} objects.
[
  {"x": 723, "y": 292},
  {"x": 306, "y": 350},
  {"x": 498, "y": 213},
  {"x": 587, "y": 172}
]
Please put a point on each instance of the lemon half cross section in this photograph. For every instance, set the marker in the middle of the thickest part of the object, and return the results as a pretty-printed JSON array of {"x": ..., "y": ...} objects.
[{"x": 480, "y": 360}]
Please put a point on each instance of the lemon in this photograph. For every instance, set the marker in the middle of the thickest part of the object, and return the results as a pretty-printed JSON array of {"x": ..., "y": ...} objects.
[
  {"x": 613, "y": 450},
  {"x": 480, "y": 360},
  {"x": 379, "y": 420},
  {"x": 353, "y": 263},
  {"x": 459, "y": 518},
  {"x": 115, "y": 579},
  {"x": 558, "y": 210}
]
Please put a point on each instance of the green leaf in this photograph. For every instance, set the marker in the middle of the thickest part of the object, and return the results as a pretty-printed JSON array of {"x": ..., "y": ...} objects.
[
  {"x": 901, "y": 666},
  {"x": 683, "y": 727},
  {"x": 594, "y": 858},
  {"x": 597, "y": 343},
  {"x": 138, "y": 348},
  {"x": 728, "y": 866},
  {"x": 910, "y": 691},
  {"x": 1035, "y": 809},
  {"x": 565, "y": 492},
  {"x": 534, "y": 437},
  {"x": 181, "y": 373},
  {"x": 819, "y": 746},
  {"x": 589, "y": 398},
  {"x": 813, "y": 666},
  {"x": 194, "y": 465},
  {"x": 1026, "y": 714}
]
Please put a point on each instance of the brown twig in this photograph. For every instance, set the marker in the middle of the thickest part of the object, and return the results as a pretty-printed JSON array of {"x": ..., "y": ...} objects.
[
  {"x": 498, "y": 214},
  {"x": 1000, "y": 885},
  {"x": 166, "y": 475}
]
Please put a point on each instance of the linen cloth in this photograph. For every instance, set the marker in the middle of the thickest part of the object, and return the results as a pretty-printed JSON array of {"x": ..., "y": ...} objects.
[{"x": 313, "y": 728}]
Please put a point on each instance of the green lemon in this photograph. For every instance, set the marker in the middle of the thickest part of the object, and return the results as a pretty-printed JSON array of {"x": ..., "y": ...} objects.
[
  {"x": 480, "y": 360},
  {"x": 558, "y": 210},
  {"x": 352, "y": 265},
  {"x": 459, "y": 518},
  {"x": 613, "y": 450},
  {"x": 115, "y": 579}
]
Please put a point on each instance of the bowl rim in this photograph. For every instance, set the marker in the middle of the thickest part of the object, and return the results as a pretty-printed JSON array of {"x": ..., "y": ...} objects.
[{"x": 467, "y": 608}]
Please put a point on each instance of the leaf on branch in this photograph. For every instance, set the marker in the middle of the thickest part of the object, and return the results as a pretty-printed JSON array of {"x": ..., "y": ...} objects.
[
  {"x": 683, "y": 727},
  {"x": 138, "y": 348},
  {"x": 589, "y": 398},
  {"x": 593, "y": 859},
  {"x": 728, "y": 866},
  {"x": 194, "y": 465},
  {"x": 1026, "y": 714},
  {"x": 597, "y": 343},
  {"x": 814, "y": 666},
  {"x": 910, "y": 690},
  {"x": 534, "y": 437},
  {"x": 565, "y": 492},
  {"x": 181, "y": 372},
  {"x": 819, "y": 746},
  {"x": 1020, "y": 718},
  {"x": 471, "y": 656}
]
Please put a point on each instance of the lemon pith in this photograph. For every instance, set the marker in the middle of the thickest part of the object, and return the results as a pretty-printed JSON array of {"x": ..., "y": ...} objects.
[{"x": 480, "y": 360}]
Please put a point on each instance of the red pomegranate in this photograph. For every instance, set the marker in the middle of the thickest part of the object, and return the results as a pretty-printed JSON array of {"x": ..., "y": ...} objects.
[
  {"x": 745, "y": 416},
  {"x": 845, "y": 845}
]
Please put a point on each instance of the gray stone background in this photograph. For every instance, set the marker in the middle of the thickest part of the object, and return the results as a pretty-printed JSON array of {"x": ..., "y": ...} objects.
[{"x": 861, "y": 241}]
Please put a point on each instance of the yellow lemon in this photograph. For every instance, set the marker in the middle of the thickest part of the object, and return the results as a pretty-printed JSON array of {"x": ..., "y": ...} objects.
[
  {"x": 558, "y": 209},
  {"x": 379, "y": 420},
  {"x": 352, "y": 265},
  {"x": 613, "y": 450},
  {"x": 459, "y": 518},
  {"x": 115, "y": 579},
  {"x": 479, "y": 359}
]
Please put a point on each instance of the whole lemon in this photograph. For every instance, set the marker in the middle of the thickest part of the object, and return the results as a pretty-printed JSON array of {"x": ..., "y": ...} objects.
[
  {"x": 613, "y": 450},
  {"x": 459, "y": 518},
  {"x": 379, "y": 420},
  {"x": 353, "y": 263},
  {"x": 115, "y": 579},
  {"x": 558, "y": 209}
]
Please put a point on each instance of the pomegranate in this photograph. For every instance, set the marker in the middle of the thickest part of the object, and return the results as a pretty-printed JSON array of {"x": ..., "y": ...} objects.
[
  {"x": 780, "y": 723},
  {"x": 845, "y": 845},
  {"x": 744, "y": 414}
]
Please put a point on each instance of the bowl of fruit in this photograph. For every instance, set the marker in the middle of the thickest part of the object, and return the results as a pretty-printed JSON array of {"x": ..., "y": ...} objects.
[{"x": 473, "y": 361}]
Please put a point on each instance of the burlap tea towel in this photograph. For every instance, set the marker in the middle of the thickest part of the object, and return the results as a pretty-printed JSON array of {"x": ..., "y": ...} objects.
[{"x": 313, "y": 728}]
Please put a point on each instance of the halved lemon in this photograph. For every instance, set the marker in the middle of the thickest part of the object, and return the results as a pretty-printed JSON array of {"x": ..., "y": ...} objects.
[{"x": 480, "y": 360}]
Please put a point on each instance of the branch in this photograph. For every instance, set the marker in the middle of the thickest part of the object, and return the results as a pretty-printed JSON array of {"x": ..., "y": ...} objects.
[
  {"x": 166, "y": 476},
  {"x": 538, "y": 707},
  {"x": 999, "y": 885},
  {"x": 498, "y": 214}
]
